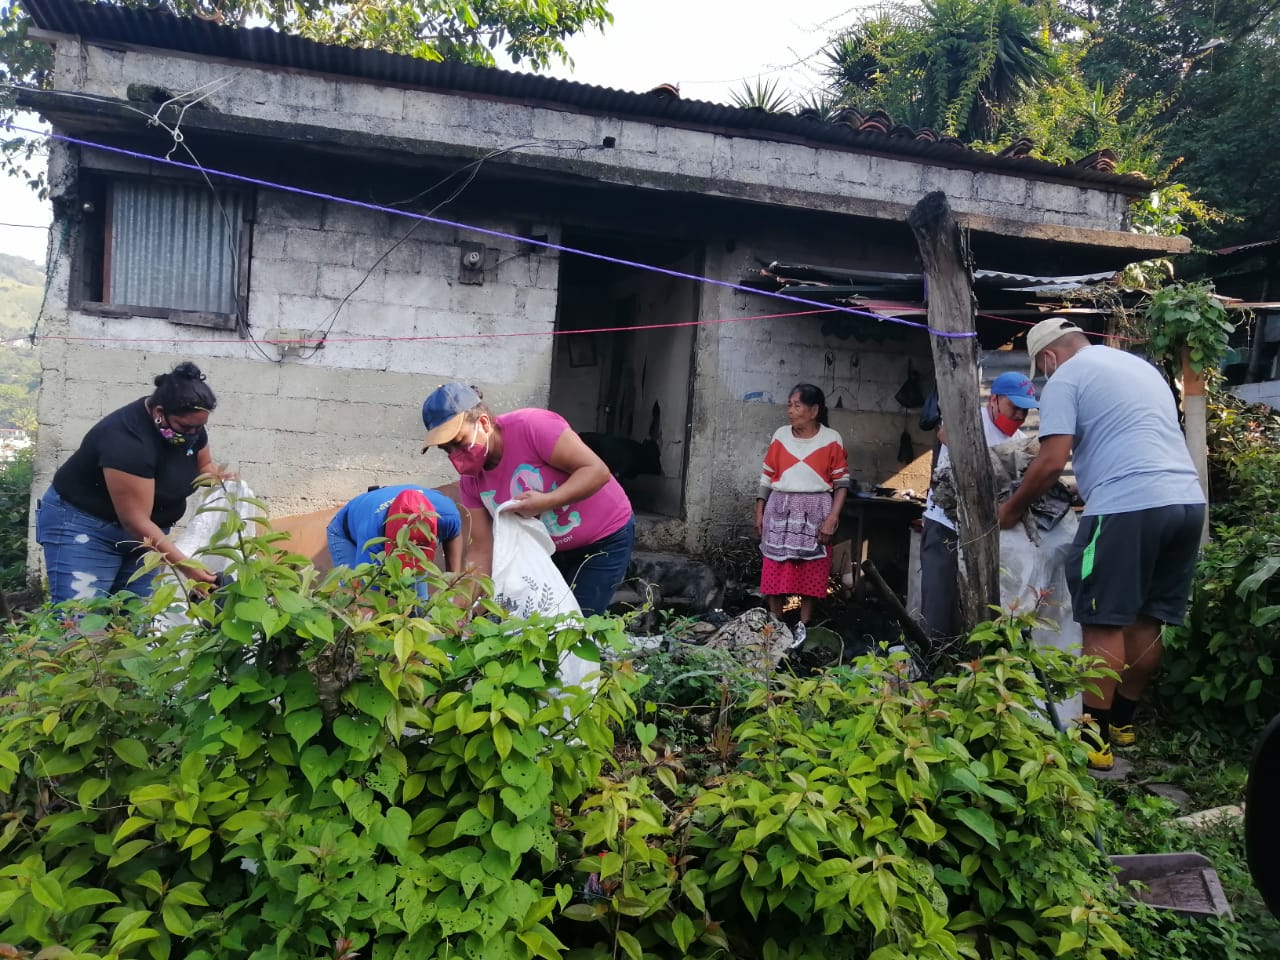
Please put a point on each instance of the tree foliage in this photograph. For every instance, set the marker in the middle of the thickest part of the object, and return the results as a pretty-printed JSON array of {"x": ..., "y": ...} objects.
[
  {"x": 953, "y": 65},
  {"x": 1176, "y": 88}
]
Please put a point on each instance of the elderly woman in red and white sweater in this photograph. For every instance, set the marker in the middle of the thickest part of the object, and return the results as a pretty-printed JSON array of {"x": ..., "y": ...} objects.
[{"x": 802, "y": 488}]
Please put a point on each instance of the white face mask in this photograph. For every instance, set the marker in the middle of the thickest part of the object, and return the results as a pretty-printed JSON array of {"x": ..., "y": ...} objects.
[{"x": 1047, "y": 372}]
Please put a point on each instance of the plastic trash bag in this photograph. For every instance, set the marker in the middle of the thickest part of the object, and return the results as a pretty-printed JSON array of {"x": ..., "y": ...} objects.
[
  {"x": 525, "y": 581},
  {"x": 201, "y": 532},
  {"x": 211, "y": 513},
  {"x": 1028, "y": 572}
]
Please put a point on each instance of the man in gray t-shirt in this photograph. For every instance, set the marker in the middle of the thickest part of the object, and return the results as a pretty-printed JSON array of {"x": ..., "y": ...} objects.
[{"x": 1129, "y": 571}]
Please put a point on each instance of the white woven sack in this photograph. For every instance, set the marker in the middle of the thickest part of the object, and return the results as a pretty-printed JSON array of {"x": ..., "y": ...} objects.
[{"x": 525, "y": 581}]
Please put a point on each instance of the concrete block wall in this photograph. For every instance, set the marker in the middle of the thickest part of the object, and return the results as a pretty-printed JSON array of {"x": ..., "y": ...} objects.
[
  {"x": 745, "y": 371},
  {"x": 645, "y": 154},
  {"x": 308, "y": 429}
]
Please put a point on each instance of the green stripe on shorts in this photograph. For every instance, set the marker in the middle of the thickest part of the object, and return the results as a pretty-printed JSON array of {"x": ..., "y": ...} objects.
[{"x": 1086, "y": 558}]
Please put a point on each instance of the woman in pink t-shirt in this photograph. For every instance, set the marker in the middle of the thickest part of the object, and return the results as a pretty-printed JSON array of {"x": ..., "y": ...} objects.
[{"x": 535, "y": 458}]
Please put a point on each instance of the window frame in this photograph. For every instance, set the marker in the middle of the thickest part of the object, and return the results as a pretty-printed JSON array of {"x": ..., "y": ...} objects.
[{"x": 91, "y": 277}]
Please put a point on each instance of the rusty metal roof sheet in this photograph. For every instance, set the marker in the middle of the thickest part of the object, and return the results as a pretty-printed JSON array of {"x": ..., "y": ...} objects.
[{"x": 874, "y": 133}]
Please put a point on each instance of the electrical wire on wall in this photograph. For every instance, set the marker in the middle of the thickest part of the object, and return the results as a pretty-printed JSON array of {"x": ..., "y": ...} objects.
[{"x": 469, "y": 172}]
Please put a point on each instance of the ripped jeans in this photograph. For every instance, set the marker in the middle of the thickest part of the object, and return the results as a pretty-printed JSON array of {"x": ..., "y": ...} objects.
[{"x": 86, "y": 556}]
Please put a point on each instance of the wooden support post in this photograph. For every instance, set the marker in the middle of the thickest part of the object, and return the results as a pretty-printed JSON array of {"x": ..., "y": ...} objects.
[
  {"x": 1195, "y": 419},
  {"x": 911, "y": 632},
  {"x": 955, "y": 365}
]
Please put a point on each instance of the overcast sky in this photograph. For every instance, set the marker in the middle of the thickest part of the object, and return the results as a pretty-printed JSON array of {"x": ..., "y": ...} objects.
[{"x": 706, "y": 47}]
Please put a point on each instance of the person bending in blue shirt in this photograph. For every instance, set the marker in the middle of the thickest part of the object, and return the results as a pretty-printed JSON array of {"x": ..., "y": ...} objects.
[{"x": 433, "y": 521}]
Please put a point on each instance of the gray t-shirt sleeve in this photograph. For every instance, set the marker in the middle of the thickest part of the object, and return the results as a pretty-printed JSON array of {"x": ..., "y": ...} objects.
[{"x": 1058, "y": 411}]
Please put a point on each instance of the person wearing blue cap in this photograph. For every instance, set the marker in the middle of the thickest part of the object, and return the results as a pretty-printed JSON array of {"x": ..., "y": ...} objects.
[
  {"x": 534, "y": 458},
  {"x": 1012, "y": 395}
]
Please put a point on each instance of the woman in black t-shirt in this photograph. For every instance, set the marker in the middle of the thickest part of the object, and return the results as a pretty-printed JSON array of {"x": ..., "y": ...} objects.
[{"x": 121, "y": 491}]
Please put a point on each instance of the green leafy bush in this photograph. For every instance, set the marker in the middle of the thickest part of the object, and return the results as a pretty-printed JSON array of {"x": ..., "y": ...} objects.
[
  {"x": 317, "y": 769},
  {"x": 1186, "y": 316},
  {"x": 1145, "y": 824},
  {"x": 305, "y": 773},
  {"x": 1220, "y": 669},
  {"x": 867, "y": 816},
  {"x": 15, "y": 496}
]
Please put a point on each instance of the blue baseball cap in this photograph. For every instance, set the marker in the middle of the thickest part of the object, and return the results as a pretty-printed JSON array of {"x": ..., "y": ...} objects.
[
  {"x": 444, "y": 411},
  {"x": 1019, "y": 389}
]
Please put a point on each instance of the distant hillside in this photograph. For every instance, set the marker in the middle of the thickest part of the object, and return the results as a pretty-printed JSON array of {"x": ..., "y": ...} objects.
[
  {"x": 21, "y": 290},
  {"x": 21, "y": 270}
]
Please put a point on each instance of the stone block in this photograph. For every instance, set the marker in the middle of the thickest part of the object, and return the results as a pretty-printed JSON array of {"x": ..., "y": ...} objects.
[
  {"x": 356, "y": 285},
  {"x": 319, "y": 246},
  {"x": 393, "y": 389},
  {"x": 1056, "y": 199},
  {"x": 897, "y": 179},
  {"x": 840, "y": 166},
  {"x": 294, "y": 277},
  {"x": 308, "y": 314},
  {"x": 355, "y": 420},
  {"x": 490, "y": 298},
  {"x": 799, "y": 163},
  {"x": 407, "y": 291},
  {"x": 535, "y": 306},
  {"x": 268, "y": 242},
  {"x": 288, "y": 210},
  {"x": 313, "y": 379},
  {"x": 995, "y": 189},
  {"x": 308, "y": 92},
  {"x": 635, "y": 137},
  {"x": 245, "y": 410},
  {"x": 104, "y": 65},
  {"x": 366, "y": 99}
]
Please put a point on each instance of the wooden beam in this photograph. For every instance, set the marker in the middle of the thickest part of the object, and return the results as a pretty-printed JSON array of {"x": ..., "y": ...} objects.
[{"x": 950, "y": 300}]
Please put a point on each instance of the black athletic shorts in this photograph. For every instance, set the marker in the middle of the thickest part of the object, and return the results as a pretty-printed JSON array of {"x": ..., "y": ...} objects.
[{"x": 1127, "y": 565}]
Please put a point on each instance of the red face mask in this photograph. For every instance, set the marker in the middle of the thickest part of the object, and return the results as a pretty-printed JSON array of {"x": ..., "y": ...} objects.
[
  {"x": 469, "y": 460},
  {"x": 1006, "y": 425}
]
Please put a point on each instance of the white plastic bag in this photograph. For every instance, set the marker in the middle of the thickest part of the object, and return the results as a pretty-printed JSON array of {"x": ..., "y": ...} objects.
[
  {"x": 1031, "y": 574},
  {"x": 525, "y": 581},
  {"x": 210, "y": 514},
  {"x": 201, "y": 531}
]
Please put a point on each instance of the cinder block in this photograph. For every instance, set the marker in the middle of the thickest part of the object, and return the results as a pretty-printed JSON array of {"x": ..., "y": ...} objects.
[
  {"x": 534, "y": 305},
  {"x": 841, "y": 166},
  {"x": 496, "y": 298},
  {"x": 407, "y": 291},
  {"x": 635, "y": 137},
  {"x": 268, "y": 242},
  {"x": 288, "y": 210},
  {"x": 319, "y": 246},
  {"x": 293, "y": 277},
  {"x": 354, "y": 284},
  {"x": 312, "y": 379},
  {"x": 1056, "y": 198},
  {"x": 366, "y": 99},
  {"x": 303, "y": 313}
]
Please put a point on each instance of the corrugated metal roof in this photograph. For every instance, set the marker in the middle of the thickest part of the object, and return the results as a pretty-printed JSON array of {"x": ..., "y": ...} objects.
[{"x": 159, "y": 28}]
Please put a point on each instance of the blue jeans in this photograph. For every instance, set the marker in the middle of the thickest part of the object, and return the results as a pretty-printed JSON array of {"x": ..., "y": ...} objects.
[
  {"x": 86, "y": 556},
  {"x": 594, "y": 571}
]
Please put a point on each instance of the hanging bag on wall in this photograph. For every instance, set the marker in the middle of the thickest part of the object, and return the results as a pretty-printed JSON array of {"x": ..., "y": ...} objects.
[
  {"x": 525, "y": 581},
  {"x": 910, "y": 394}
]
